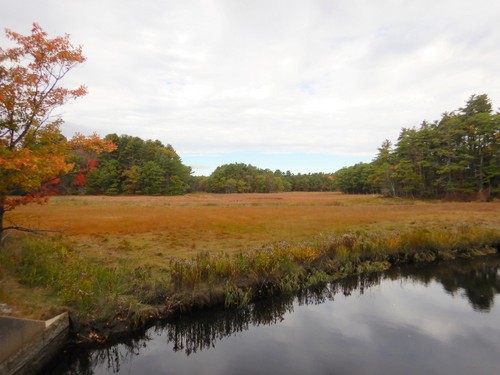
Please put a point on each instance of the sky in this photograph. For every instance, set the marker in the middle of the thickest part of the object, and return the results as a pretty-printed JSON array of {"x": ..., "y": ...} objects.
[{"x": 299, "y": 85}]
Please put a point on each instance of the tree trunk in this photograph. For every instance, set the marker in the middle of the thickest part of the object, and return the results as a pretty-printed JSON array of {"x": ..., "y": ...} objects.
[{"x": 2, "y": 211}]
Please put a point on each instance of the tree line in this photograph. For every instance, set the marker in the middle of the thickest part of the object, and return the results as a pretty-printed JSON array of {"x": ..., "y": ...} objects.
[
  {"x": 456, "y": 157},
  {"x": 246, "y": 178},
  {"x": 136, "y": 166},
  {"x": 147, "y": 167}
]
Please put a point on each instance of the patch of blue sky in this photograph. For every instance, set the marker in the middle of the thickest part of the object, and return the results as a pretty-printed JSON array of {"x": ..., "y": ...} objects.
[
  {"x": 204, "y": 165},
  {"x": 307, "y": 87}
]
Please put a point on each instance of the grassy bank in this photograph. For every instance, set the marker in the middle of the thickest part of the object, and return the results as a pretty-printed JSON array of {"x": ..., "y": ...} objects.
[
  {"x": 45, "y": 276},
  {"x": 121, "y": 261}
]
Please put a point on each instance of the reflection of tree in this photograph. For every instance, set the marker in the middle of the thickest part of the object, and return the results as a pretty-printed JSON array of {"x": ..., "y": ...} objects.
[
  {"x": 76, "y": 362},
  {"x": 478, "y": 279},
  {"x": 358, "y": 283},
  {"x": 203, "y": 329},
  {"x": 481, "y": 288}
]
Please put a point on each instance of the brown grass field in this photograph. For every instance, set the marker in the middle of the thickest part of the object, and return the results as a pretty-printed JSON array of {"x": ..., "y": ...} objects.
[
  {"x": 145, "y": 228},
  {"x": 131, "y": 251}
]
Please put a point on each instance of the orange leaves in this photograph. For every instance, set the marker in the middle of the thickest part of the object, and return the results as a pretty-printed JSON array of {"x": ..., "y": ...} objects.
[
  {"x": 92, "y": 163},
  {"x": 80, "y": 179},
  {"x": 80, "y": 91},
  {"x": 35, "y": 170},
  {"x": 28, "y": 170},
  {"x": 33, "y": 152},
  {"x": 42, "y": 49},
  {"x": 13, "y": 202},
  {"x": 91, "y": 143},
  {"x": 31, "y": 76}
]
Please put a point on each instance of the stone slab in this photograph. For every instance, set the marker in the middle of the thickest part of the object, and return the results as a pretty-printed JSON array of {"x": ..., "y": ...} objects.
[
  {"x": 27, "y": 345},
  {"x": 14, "y": 333}
]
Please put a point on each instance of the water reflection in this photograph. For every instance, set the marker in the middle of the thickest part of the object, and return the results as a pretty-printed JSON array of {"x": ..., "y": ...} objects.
[{"x": 477, "y": 281}]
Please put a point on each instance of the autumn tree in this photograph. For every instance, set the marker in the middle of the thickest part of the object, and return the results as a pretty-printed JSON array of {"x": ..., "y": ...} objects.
[
  {"x": 137, "y": 166},
  {"x": 33, "y": 152}
]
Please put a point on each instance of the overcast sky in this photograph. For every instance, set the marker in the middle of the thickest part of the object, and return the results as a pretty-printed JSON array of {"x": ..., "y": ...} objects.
[{"x": 299, "y": 85}]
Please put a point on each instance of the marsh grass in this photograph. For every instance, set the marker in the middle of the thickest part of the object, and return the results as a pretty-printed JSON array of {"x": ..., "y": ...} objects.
[
  {"x": 88, "y": 288},
  {"x": 284, "y": 267},
  {"x": 179, "y": 253},
  {"x": 49, "y": 263},
  {"x": 94, "y": 289},
  {"x": 182, "y": 226}
]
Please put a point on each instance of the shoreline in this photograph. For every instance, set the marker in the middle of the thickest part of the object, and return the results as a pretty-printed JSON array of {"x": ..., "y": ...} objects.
[
  {"x": 115, "y": 271},
  {"x": 104, "y": 332}
]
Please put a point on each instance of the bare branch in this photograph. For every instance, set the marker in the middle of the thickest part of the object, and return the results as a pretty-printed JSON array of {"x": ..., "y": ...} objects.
[{"x": 30, "y": 230}]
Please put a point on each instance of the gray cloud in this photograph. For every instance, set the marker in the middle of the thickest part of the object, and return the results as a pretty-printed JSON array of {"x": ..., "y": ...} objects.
[{"x": 333, "y": 77}]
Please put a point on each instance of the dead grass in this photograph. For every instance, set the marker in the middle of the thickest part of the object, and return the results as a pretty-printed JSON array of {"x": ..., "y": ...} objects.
[
  {"x": 147, "y": 228},
  {"x": 140, "y": 251}
]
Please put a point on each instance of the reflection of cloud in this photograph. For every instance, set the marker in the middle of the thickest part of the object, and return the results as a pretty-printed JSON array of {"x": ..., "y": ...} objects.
[
  {"x": 410, "y": 306},
  {"x": 424, "y": 310},
  {"x": 402, "y": 322},
  {"x": 298, "y": 76}
]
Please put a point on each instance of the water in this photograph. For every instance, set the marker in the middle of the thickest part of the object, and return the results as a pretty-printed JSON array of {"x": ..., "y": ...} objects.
[{"x": 435, "y": 320}]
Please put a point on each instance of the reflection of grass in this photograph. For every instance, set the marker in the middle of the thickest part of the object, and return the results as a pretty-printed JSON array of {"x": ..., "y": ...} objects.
[{"x": 122, "y": 256}]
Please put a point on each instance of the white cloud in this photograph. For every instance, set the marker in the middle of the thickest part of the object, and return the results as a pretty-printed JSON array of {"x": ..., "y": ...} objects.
[{"x": 263, "y": 76}]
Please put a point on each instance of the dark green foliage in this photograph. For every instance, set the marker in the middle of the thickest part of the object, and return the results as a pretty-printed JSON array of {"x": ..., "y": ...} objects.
[
  {"x": 356, "y": 179},
  {"x": 139, "y": 167},
  {"x": 456, "y": 157},
  {"x": 151, "y": 178},
  {"x": 105, "y": 178},
  {"x": 245, "y": 178}
]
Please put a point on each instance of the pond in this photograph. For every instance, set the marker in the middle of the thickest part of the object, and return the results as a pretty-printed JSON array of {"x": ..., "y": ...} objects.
[{"x": 438, "y": 319}]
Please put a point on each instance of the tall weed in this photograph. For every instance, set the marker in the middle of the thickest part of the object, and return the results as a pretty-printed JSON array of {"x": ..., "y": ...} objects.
[{"x": 49, "y": 263}]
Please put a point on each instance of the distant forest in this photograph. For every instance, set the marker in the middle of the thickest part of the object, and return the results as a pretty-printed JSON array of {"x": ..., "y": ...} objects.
[
  {"x": 151, "y": 168},
  {"x": 456, "y": 157},
  {"x": 135, "y": 167}
]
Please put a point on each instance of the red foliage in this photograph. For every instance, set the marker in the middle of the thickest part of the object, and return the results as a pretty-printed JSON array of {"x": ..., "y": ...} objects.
[
  {"x": 79, "y": 179},
  {"x": 92, "y": 164},
  {"x": 33, "y": 152}
]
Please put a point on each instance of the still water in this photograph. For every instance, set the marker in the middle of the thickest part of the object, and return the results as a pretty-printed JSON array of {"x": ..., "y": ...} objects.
[{"x": 440, "y": 319}]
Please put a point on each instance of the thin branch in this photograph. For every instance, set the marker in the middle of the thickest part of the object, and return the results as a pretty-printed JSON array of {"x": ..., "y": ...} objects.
[
  {"x": 3, "y": 234},
  {"x": 23, "y": 229}
]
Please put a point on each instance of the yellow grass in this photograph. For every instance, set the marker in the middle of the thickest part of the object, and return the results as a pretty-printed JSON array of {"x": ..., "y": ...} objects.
[
  {"x": 125, "y": 245},
  {"x": 145, "y": 228}
]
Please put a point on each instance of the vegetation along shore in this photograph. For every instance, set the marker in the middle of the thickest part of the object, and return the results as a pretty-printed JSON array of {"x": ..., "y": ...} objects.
[{"x": 115, "y": 270}]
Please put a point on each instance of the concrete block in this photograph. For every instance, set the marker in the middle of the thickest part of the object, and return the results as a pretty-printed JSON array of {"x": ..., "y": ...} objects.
[{"x": 27, "y": 345}]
